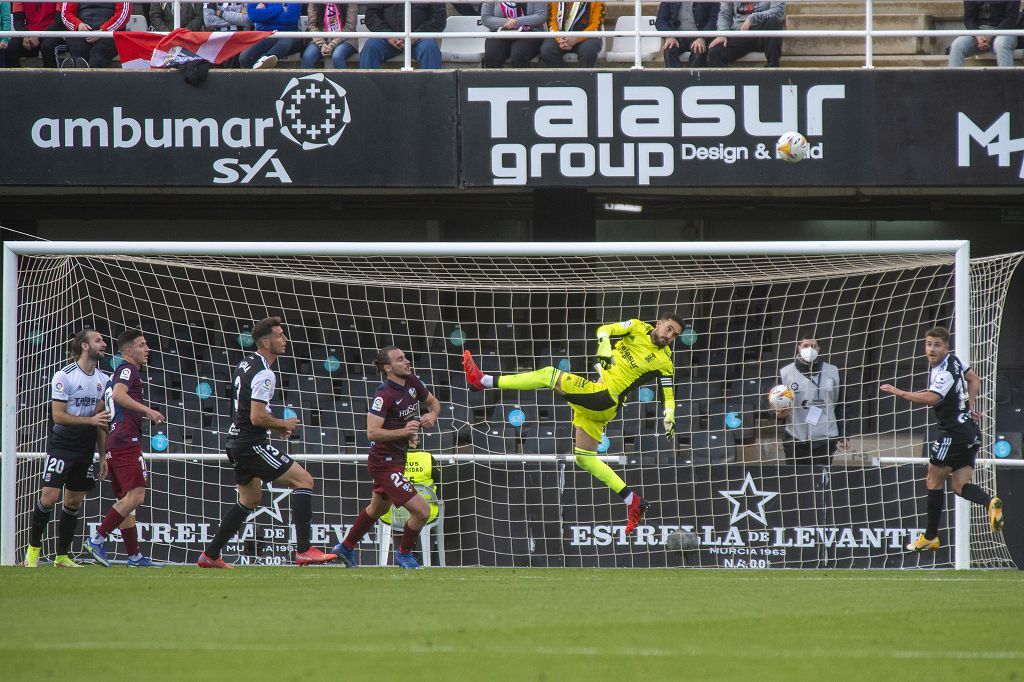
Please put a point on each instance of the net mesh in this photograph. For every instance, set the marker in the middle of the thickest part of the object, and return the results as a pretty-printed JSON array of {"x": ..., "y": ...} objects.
[{"x": 503, "y": 460}]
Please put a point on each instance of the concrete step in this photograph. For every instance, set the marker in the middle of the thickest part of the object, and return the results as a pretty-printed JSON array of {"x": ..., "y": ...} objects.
[
  {"x": 886, "y": 22},
  {"x": 944, "y": 9},
  {"x": 855, "y": 46}
]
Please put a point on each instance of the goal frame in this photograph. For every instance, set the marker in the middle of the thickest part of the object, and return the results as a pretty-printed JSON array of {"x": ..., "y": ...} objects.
[{"x": 958, "y": 249}]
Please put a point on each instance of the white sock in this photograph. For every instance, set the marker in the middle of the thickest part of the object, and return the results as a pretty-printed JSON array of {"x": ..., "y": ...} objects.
[
  {"x": 487, "y": 380},
  {"x": 97, "y": 539},
  {"x": 136, "y": 556},
  {"x": 628, "y": 499}
]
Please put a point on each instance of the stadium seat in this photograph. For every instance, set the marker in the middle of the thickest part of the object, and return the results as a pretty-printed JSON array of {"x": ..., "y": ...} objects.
[
  {"x": 494, "y": 439},
  {"x": 621, "y": 49},
  {"x": 501, "y": 411},
  {"x": 654, "y": 448},
  {"x": 137, "y": 23},
  {"x": 545, "y": 439},
  {"x": 441, "y": 440},
  {"x": 322, "y": 440},
  {"x": 710, "y": 447},
  {"x": 631, "y": 419},
  {"x": 717, "y": 420}
]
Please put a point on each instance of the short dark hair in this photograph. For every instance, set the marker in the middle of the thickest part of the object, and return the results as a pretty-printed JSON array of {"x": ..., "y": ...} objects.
[
  {"x": 127, "y": 336},
  {"x": 938, "y": 333},
  {"x": 806, "y": 334},
  {"x": 384, "y": 358},
  {"x": 75, "y": 345},
  {"x": 265, "y": 327},
  {"x": 669, "y": 315}
]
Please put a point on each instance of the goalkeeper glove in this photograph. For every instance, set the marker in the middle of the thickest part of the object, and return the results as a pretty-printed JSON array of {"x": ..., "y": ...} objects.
[
  {"x": 670, "y": 422},
  {"x": 604, "y": 352}
]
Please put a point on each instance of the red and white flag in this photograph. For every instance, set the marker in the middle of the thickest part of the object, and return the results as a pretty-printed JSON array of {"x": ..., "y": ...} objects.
[{"x": 155, "y": 51}]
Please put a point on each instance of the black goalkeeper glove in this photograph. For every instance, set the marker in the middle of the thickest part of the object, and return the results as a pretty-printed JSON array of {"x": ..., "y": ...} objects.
[{"x": 604, "y": 352}]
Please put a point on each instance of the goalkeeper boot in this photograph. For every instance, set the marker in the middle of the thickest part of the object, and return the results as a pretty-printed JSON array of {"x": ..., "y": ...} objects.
[
  {"x": 98, "y": 551},
  {"x": 207, "y": 562},
  {"x": 64, "y": 561},
  {"x": 636, "y": 512},
  {"x": 346, "y": 555},
  {"x": 313, "y": 556},
  {"x": 406, "y": 560},
  {"x": 474, "y": 375},
  {"x": 32, "y": 557},
  {"x": 922, "y": 543},
  {"x": 144, "y": 562},
  {"x": 995, "y": 514}
]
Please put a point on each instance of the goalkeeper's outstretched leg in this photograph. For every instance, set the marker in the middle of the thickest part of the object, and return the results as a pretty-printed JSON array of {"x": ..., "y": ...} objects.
[{"x": 593, "y": 407}]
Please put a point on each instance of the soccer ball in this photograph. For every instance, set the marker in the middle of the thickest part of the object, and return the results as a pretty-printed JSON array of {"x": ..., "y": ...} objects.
[
  {"x": 791, "y": 147},
  {"x": 781, "y": 397},
  {"x": 681, "y": 540}
]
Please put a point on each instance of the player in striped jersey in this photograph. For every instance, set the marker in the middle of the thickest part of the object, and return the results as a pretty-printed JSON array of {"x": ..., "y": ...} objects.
[
  {"x": 953, "y": 392},
  {"x": 77, "y": 420},
  {"x": 254, "y": 459},
  {"x": 643, "y": 352}
]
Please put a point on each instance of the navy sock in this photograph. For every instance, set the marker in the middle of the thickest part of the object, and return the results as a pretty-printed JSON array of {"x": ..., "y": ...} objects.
[
  {"x": 302, "y": 515},
  {"x": 37, "y": 526},
  {"x": 975, "y": 494},
  {"x": 936, "y": 501},
  {"x": 66, "y": 528},
  {"x": 229, "y": 525}
]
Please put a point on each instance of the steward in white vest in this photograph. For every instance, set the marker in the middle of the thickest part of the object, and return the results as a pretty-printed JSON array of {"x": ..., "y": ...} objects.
[{"x": 813, "y": 428}]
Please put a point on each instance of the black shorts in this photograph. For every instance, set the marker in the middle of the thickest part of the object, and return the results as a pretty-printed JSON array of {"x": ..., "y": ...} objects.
[
  {"x": 262, "y": 461},
  {"x": 65, "y": 470},
  {"x": 946, "y": 452}
]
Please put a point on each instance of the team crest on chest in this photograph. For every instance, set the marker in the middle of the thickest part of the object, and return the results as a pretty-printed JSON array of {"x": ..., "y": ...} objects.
[{"x": 412, "y": 392}]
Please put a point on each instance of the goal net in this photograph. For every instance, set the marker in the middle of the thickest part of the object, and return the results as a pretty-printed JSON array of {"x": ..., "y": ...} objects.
[{"x": 508, "y": 490}]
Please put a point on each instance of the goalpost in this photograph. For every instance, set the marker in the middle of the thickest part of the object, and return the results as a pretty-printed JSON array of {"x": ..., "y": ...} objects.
[{"x": 511, "y": 493}]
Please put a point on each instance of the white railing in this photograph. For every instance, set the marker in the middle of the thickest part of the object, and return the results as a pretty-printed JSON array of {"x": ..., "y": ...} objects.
[{"x": 868, "y": 34}]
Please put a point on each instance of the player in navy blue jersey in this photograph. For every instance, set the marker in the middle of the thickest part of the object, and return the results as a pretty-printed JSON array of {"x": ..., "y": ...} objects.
[
  {"x": 953, "y": 392},
  {"x": 253, "y": 457},
  {"x": 77, "y": 418},
  {"x": 127, "y": 468},
  {"x": 392, "y": 421}
]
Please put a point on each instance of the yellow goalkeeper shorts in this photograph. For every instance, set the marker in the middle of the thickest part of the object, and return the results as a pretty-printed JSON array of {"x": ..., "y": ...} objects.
[{"x": 592, "y": 405}]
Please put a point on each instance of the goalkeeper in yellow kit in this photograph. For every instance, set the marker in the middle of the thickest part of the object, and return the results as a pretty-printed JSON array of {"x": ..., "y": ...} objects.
[{"x": 642, "y": 353}]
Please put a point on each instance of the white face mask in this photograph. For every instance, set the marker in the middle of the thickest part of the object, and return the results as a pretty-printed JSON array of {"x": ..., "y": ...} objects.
[{"x": 809, "y": 354}]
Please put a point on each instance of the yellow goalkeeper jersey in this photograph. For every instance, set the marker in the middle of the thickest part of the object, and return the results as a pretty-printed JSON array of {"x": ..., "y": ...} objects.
[{"x": 636, "y": 360}]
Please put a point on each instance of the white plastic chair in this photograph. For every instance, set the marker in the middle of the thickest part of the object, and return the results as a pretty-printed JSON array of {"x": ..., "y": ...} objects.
[
  {"x": 621, "y": 49},
  {"x": 463, "y": 49},
  {"x": 398, "y": 518},
  {"x": 137, "y": 23}
]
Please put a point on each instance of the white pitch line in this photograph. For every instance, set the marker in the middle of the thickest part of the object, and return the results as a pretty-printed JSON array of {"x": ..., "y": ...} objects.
[{"x": 381, "y": 648}]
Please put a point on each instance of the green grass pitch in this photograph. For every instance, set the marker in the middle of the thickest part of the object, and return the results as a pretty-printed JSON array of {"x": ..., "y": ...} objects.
[{"x": 509, "y": 624}]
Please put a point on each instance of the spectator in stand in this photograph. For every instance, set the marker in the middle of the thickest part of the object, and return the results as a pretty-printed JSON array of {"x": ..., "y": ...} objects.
[
  {"x": 426, "y": 18},
  {"x": 34, "y": 17},
  {"x": 987, "y": 15},
  {"x": 271, "y": 16},
  {"x": 6, "y": 24},
  {"x": 573, "y": 16},
  {"x": 686, "y": 16},
  {"x": 96, "y": 53},
  {"x": 161, "y": 16},
  {"x": 512, "y": 16},
  {"x": 747, "y": 16},
  {"x": 225, "y": 16},
  {"x": 331, "y": 17}
]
